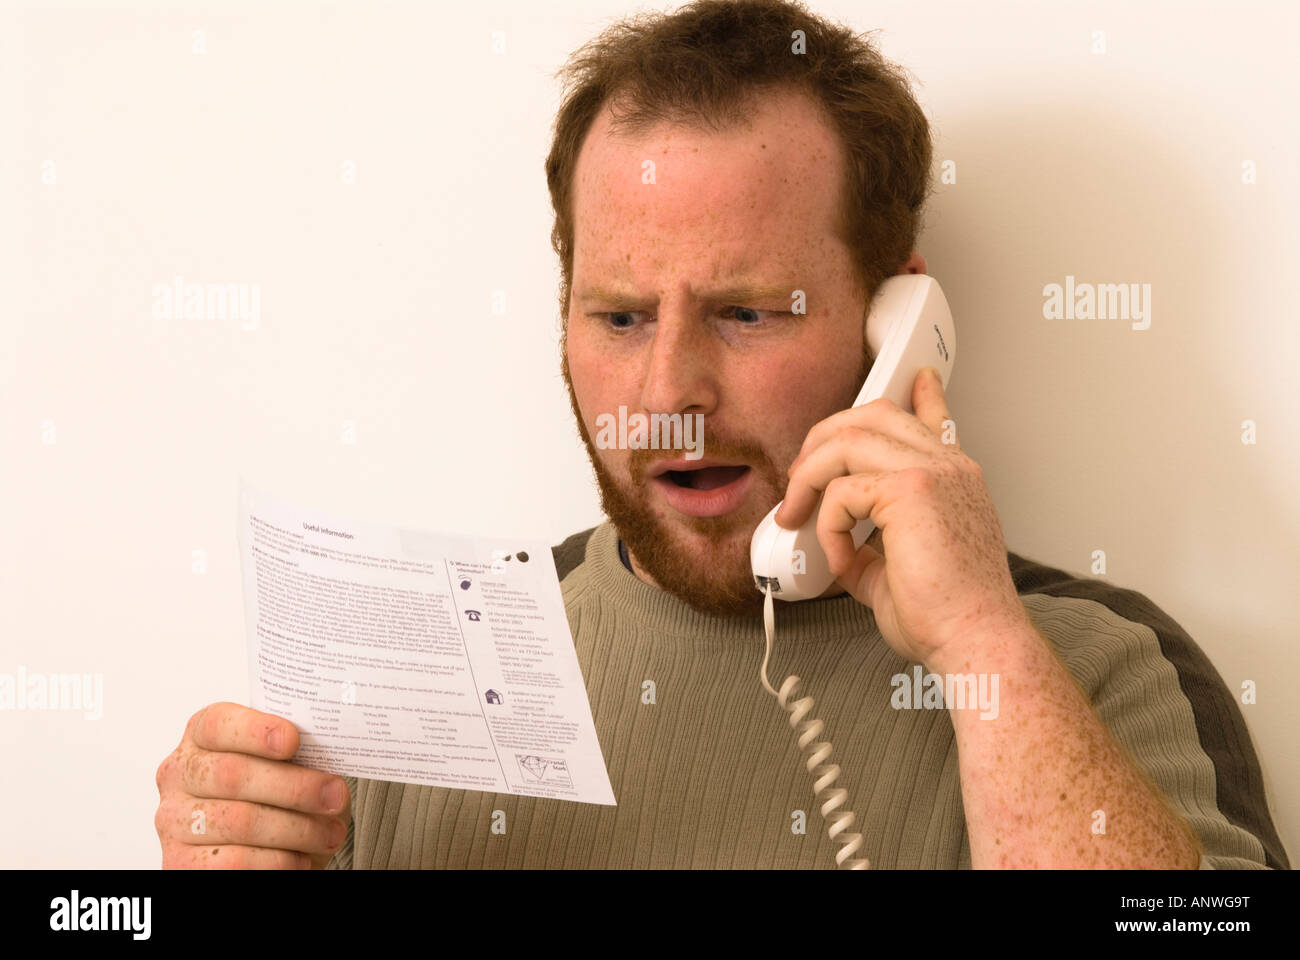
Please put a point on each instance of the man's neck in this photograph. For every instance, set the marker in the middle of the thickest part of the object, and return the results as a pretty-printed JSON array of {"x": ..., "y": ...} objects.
[{"x": 635, "y": 567}]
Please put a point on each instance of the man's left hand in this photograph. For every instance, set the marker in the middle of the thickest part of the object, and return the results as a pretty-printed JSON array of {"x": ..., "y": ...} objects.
[{"x": 946, "y": 576}]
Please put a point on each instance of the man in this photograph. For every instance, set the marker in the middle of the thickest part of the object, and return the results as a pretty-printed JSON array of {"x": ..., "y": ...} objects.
[{"x": 710, "y": 170}]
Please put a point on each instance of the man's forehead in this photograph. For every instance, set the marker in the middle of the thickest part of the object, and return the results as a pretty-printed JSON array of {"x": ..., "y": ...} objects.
[
  {"x": 782, "y": 131},
  {"x": 750, "y": 204},
  {"x": 607, "y": 272},
  {"x": 612, "y": 266}
]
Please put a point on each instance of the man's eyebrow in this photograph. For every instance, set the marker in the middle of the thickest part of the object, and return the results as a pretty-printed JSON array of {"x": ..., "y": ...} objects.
[
  {"x": 610, "y": 295},
  {"x": 739, "y": 293}
]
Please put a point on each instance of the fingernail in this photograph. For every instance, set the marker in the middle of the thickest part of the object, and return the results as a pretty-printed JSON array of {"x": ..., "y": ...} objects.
[
  {"x": 275, "y": 739},
  {"x": 332, "y": 795}
]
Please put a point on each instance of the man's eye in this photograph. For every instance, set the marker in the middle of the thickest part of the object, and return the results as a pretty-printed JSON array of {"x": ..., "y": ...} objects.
[
  {"x": 621, "y": 319},
  {"x": 748, "y": 316}
]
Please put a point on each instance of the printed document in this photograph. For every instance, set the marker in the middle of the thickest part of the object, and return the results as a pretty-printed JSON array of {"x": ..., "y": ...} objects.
[{"x": 416, "y": 657}]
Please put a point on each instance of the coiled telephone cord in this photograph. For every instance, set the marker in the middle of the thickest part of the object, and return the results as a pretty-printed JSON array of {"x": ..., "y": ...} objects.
[{"x": 817, "y": 753}]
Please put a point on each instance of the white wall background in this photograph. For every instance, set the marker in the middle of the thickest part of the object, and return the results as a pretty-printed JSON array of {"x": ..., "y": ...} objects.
[{"x": 226, "y": 166}]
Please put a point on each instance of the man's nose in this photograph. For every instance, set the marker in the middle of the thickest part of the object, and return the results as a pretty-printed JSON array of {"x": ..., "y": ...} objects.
[{"x": 680, "y": 371}]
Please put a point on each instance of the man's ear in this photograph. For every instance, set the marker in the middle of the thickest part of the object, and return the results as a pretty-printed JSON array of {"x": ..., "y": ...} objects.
[{"x": 915, "y": 264}]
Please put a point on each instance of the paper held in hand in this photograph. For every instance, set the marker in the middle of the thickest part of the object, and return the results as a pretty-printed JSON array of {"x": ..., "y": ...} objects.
[{"x": 411, "y": 656}]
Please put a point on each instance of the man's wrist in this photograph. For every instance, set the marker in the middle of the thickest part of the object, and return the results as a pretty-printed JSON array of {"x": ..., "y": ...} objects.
[{"x": 986, "y": 644}]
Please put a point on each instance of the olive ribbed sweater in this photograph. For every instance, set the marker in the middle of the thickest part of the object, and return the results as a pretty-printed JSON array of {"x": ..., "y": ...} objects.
[{"x": 710, "y": 776}]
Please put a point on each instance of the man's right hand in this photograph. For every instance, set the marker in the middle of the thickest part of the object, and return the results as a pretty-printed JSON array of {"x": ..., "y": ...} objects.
[{"x": 229, "y": 798}]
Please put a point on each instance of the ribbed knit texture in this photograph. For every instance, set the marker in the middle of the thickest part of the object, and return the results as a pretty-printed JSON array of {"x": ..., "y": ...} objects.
[{"x": 710, "y": 775}]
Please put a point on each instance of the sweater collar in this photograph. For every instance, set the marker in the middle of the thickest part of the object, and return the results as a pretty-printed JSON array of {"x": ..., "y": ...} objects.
[{"x": 808, "y": 621}]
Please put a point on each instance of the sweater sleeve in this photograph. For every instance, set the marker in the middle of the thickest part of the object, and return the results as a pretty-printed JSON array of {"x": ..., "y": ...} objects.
[{"x": 1163, "y": 701}]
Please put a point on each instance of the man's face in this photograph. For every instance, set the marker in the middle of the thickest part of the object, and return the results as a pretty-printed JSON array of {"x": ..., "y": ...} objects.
[{"x": 682, "y": 303}]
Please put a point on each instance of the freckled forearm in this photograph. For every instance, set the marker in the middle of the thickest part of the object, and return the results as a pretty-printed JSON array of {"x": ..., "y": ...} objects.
[{"x": 1043, "y": 778}]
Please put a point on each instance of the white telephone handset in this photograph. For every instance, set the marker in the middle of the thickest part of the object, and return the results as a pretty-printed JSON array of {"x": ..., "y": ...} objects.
[{"x": 909, "y": 328}]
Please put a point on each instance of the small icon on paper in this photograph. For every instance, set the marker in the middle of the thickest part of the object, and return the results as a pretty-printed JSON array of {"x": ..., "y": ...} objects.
[
  {"x": 492, "y": 696},
  {"x": 535, "y": 769},
  {"x": 464, "y": 584},
  {"x": 473, "y": 615}
]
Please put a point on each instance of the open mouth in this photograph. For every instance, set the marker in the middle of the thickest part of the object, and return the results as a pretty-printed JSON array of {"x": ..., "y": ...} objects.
[
  {"x": 710, "y": 491},
  {"x": 707, "y": 478}
]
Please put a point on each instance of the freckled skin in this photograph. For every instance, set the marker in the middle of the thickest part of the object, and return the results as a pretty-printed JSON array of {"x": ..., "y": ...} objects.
[
  {"x": 1034, "y": 775},
  {"x": 259, "y": 811}
]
